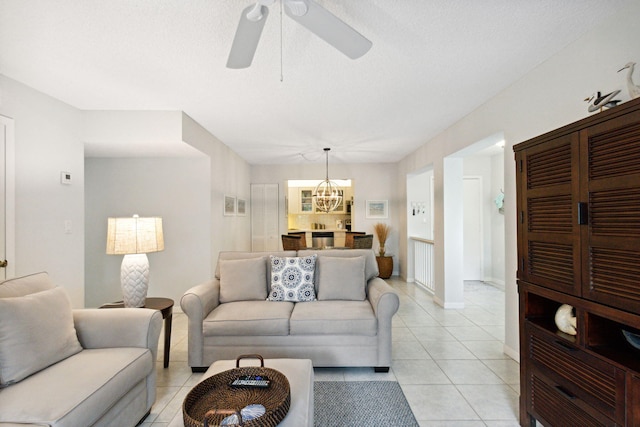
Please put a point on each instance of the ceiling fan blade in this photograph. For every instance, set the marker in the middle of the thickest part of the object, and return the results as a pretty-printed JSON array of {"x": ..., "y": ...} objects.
[
  {"x": 328, "y": 27},
  {"x": 247, "y": 37}
]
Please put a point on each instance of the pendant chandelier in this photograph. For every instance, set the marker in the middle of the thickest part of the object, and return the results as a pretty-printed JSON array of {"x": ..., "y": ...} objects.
[{"x": 327, "y": 196}]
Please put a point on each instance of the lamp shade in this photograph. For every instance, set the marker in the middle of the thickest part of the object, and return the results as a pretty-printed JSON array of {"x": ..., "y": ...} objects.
[{"x": 134, "y": 235}]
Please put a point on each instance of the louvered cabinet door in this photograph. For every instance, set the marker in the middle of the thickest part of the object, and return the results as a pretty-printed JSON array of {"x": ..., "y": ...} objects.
[
  {"x": 549, "y": 245},
  {"x": 613, "y": 234}
]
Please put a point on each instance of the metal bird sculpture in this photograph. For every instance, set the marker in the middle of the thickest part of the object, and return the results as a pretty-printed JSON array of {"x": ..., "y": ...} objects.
[
  {"x": 634, "y": 90},
  {"x": 597, "y": 101}
]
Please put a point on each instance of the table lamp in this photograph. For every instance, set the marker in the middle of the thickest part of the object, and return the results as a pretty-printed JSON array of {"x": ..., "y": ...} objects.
[{"x": 134, "y": 238}]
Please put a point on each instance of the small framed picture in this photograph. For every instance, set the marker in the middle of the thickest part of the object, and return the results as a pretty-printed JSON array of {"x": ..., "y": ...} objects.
[
  {"x": 377, "y": 209},
  {"x": 242, "y": 207},
  {"x": 229, "y": 205}
]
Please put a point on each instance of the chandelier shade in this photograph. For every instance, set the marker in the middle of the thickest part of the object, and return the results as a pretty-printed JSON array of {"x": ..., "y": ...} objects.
[{"x": 327, "y": 196}]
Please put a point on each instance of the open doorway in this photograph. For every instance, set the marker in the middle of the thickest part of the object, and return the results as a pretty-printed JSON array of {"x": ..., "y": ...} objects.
[
  {"x": 483, "y": 231},
  {"x": 436, "y": 206},
  {"x": 420, "y": 228},
  {"x": 483, "y": 228},
  {"x": 473, "y": 223}
]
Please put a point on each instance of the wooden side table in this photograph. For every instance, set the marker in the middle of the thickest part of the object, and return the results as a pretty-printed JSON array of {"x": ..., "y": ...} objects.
[{"x": 165, "y": 305}]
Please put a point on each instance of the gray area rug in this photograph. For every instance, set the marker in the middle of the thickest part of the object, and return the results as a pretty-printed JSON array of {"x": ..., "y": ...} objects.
[{"x": 361, "y": 403}]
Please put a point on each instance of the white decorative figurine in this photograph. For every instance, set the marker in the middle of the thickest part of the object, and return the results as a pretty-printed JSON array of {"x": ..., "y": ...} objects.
[
  {"x": 598, "y": 101},
  {"x": 565, "y": 320},
  {"x": 634, "y": 90}
]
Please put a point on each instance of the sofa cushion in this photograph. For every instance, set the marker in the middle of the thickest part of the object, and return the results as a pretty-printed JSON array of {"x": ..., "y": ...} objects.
[
  {"x": 36, "y": 331},
  {"x": 333, "y": 318},
  {"x": 341, "y": 278},
  {"x": 371, "y": 265},
  {"x": 78, "y": 390},
  {"x": 243, "y": 279},
  {"x": 246, "y": 255},
  {"x": 248, "y": 318},
  {"x": 292, "y": 278}
]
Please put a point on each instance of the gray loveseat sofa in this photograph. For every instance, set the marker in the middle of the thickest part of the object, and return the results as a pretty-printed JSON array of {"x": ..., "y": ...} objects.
[
  {"x": 349, "y": 324},
  {"x": 64, "y": 367}
]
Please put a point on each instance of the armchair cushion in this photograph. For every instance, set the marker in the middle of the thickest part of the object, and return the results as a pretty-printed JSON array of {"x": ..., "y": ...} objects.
[
  {"x": 75, "y": 391},
  {"x": 36, "y": 331},
  {"x": 341, "y": 278},
  {"x": 243, "y": 279}
]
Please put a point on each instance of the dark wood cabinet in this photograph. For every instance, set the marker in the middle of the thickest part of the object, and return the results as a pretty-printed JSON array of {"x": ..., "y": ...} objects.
[{"x": 579, "y": 244}]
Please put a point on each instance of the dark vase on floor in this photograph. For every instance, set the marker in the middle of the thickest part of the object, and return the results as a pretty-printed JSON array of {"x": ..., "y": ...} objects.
[{"x": 385, "y": 266}]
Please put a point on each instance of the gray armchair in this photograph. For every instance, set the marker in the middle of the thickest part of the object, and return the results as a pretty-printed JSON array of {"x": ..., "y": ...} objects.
[{"x": 106, "y": 375}]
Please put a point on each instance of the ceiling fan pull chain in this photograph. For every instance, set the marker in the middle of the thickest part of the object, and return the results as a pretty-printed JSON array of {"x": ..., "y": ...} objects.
[{"x": 281, "y": 67}]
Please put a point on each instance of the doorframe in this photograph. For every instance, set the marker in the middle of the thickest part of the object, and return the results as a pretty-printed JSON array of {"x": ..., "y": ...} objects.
[{"x": 9, "y": 195}]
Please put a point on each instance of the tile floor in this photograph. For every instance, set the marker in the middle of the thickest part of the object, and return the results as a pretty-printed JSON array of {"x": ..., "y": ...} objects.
[{"x": 449, "y": 362}]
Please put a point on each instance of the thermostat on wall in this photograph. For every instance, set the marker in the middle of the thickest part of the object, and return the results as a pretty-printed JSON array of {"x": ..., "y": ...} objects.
[{"x": 65, "y": 177}]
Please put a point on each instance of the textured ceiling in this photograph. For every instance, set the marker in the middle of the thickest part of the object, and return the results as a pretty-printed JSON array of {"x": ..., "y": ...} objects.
[{"x": 432, "y": 62}]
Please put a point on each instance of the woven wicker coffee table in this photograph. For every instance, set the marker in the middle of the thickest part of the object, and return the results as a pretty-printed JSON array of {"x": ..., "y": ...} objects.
[{"x": 299, "y": 372}]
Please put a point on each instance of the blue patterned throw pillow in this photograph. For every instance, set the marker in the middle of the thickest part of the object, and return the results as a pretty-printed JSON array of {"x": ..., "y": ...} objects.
[{"x": 292, "y": 278}]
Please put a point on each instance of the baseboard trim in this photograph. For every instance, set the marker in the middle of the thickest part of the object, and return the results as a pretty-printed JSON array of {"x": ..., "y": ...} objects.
[
  {"x": 514, "y": 354},
  {"x": 448, "y": 305}
]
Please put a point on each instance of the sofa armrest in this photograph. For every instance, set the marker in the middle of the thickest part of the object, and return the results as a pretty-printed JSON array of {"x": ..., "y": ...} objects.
[
  {"x": 385, "y": 302},
  {"x": 118, "y": 327},
  {"x": 197, "y": 303},
  {"x": 200, "y": 300},
  {"x": 383, "y": 298}
]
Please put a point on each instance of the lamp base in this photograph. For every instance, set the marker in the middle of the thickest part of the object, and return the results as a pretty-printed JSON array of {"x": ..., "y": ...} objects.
[{"x": 134, "y": 278}]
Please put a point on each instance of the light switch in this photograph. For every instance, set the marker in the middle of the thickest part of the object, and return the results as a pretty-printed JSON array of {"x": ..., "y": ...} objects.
[
  {"x": 65, "y": 178},
  {"x": 67, "y": 226}
]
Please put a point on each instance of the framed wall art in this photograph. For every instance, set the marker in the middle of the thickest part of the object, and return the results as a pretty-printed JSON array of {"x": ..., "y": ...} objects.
[
  {"x": 242, "y": 207},
  {"x": 377, "y": 209},
  {"x": 229, "y": 205}
]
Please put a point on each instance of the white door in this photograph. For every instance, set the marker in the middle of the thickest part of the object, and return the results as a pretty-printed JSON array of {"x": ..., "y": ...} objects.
[
  {"x": 7, "y": 220},
  {"x": 472, "y": 229}
]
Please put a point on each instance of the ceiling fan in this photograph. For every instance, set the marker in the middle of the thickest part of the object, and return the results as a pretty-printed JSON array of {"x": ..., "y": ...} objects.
[{"x": 307, "y": 13}]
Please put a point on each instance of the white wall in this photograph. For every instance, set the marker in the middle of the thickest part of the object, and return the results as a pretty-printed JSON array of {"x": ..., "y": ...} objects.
[
  {"x": 117, "y": 134},
  {"x": 49, "y": 138},
  {"x": 229, "y": 175},
  {"x": 47, "y": 141},
  {"x": 370, "y": 181},
  {"x": 419, "y": 191},
  {"x": 548, "y": 97},
  {"x": 186, "y": 191},
  {"x": 176, "y": 189},
  {"x": 497, "y": 222}
]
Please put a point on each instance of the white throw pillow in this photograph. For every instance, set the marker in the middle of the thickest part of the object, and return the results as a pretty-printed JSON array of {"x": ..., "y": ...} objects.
[
  {"x": 292, "y": 278},
  {"x": 341, "y": 278},
  {"x": 36, "y": 331},
  {"x": 243, "y": 279}
]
